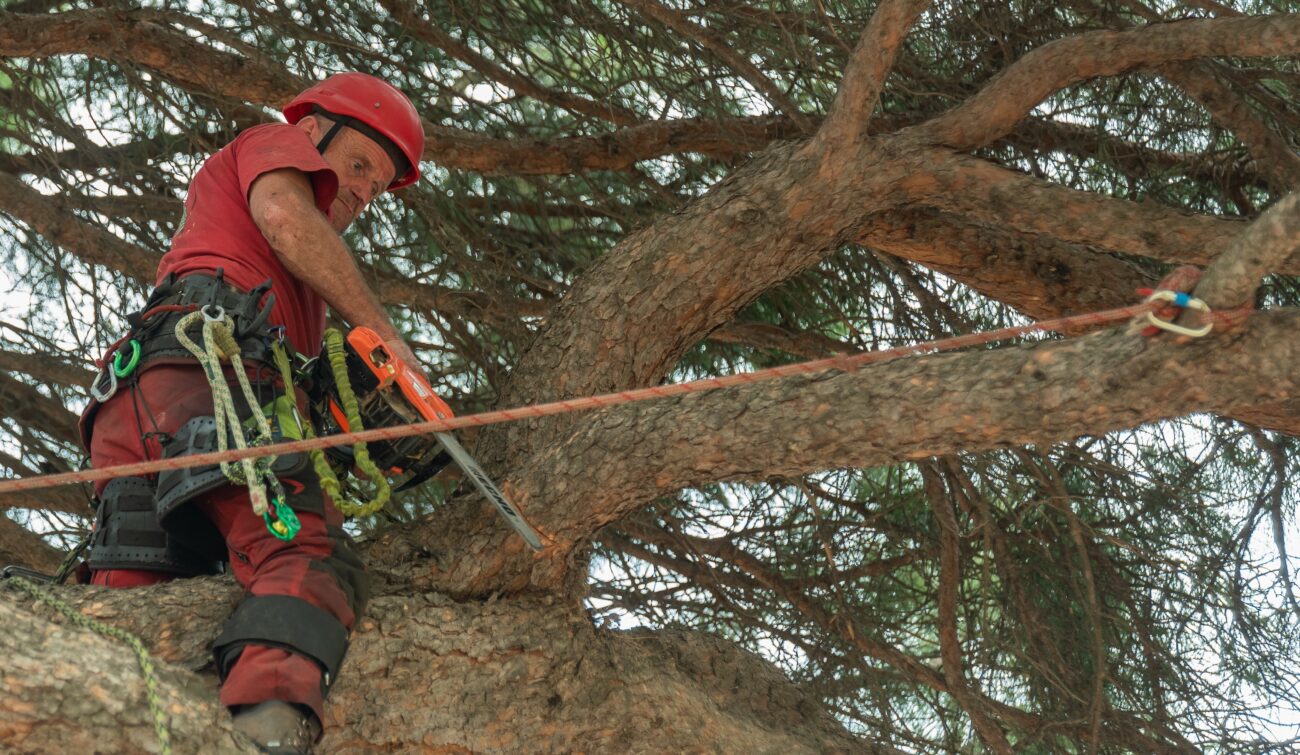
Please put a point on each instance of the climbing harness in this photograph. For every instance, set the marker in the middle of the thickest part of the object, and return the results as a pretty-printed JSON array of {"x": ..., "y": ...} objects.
[{"x": 15, "y": 576}]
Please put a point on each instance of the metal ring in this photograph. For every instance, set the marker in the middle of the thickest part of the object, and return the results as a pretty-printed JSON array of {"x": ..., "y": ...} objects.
[
  {"x": 131, "y": 364},
  {"x": 220, "y": 312}
]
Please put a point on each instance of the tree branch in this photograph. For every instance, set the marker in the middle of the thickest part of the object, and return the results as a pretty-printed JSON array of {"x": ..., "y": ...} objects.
[
  {"x": 406, "y": 14},
  {"x": 565, "y": 680},
  {"x": 974, "y": 401},
  {"x": 949, "y": 638},
  {"x": 992, "y": 195},
  {"x": 46, "y": 215},
  {"x": 1273, "y": 156},
  {"x": 46, "y": 706},
  {"x": 19, "y": 546},
  {"x": 996, "y": 109},
  {"x": 110, "y": 35},
  {"x": 47, "y": 368},
  {"x": 1263, "y": 248},
  {"x": 25, "y": 405},
  {"x": 127, "y": 36},
  {"x": 1039, "y": 276},
  {"x": 864, "y": 78}
]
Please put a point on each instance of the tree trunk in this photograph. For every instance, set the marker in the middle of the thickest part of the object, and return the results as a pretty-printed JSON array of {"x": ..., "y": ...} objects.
[{"x": 425, "y": 673}]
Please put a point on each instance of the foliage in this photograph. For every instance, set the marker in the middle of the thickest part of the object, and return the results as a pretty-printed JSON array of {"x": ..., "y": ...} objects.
[{"x": 1139, "y": 579}]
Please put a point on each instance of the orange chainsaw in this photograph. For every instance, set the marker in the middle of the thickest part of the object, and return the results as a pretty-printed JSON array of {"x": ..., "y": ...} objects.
[{"x": 390, "y": 393}]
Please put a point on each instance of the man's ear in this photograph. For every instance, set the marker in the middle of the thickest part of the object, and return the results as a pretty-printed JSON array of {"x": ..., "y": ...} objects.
[{"x": 311, "y": 125}]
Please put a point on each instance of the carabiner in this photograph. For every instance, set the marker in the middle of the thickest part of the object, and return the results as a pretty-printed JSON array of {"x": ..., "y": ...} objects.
[
  {"x": 102, "y": 395},
  {"x": 285, "y": 526},
  {"x": 217, "y": 313},
  {"x": 1182, "y": 301}
]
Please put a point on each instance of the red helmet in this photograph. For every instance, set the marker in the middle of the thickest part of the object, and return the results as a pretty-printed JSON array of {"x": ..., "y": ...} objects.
[{"x": 375, "y": 108}]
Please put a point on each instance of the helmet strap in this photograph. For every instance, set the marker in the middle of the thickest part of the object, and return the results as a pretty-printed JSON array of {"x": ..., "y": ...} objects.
[
  {"x": 400, "y": 163},
  {"x": 339, "y": 121}
]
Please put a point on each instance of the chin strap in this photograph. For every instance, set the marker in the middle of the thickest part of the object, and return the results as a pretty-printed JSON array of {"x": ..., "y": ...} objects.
[{"x": 400, "y": 164}]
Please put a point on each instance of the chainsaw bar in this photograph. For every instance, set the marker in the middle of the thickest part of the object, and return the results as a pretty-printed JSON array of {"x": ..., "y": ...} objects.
[{"x": 489, "y": 489}]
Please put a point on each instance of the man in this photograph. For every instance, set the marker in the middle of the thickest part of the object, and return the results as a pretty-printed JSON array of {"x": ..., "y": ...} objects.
[{"x": 266, "y": 208}]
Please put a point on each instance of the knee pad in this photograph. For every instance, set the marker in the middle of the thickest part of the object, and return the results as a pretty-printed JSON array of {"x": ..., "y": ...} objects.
[
  {"x": 128, "y": 535},
  {"x": 345, "y": 567},
  {"x": 288, "y": 623}
]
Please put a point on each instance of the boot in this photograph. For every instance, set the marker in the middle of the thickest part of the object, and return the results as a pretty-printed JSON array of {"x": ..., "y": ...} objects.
[{"x": 278, "y": 727}]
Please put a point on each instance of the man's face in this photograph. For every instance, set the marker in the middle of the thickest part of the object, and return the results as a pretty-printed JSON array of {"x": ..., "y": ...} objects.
[{"x": 364, "y": 170}]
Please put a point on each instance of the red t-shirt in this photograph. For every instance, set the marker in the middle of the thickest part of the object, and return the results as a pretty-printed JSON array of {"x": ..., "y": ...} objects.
[{"x": 218, "y": 229}]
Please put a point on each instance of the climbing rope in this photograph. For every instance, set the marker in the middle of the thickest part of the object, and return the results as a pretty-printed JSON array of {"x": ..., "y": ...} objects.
[
  {"x": 94, "y": 625},
  {"x": 329, "y": 481},
  {"x": 845, "y": 363},
  {"x": 219, "y": 343}
]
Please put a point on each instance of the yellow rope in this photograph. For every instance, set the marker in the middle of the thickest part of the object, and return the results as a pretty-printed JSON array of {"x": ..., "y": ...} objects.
[
  {"x": 219, "y": 343},
  {"x": 141, "y": 653},
  {"x": 329, "y": 482}
]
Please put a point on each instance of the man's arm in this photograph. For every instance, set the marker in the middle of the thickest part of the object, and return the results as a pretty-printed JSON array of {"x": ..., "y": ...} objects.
[{"x": 283, "y": 207}]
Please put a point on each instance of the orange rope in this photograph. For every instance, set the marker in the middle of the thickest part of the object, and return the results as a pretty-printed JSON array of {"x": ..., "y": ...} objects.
[{"x": 844, "y": 363}]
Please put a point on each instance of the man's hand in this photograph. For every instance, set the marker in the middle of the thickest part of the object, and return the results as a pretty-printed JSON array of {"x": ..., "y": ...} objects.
[{"x": 402, "y": 352}]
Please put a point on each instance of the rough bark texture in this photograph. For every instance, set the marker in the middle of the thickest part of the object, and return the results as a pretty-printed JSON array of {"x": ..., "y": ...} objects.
[
  {"x": 424, "y": 674},
  {"x": 63, "y": 689},
  {"x": 19, "y": 546},
  {"x": 475, "y": 643}
]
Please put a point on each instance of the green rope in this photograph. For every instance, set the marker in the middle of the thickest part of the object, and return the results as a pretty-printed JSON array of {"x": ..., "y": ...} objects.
[
  {"x": 329, "y": 481},
  {"x": 94, "y": 625}
]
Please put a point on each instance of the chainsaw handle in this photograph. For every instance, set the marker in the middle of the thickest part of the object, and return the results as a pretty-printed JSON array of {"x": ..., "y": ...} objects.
[{"x": 390, "y": 369}]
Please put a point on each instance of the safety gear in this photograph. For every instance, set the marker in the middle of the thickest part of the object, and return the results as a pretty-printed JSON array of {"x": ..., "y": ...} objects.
[
  {"x": 179, "y": 486},
  {"x": 374, "y": 108},
  {"x": 392, "y": 393},
  {"x": 152, "y": 334},
  {"x": 283, "y": 621},
  {"x": 371, "y": 374},
  {"x": 127, "y": 534},
  {"x": 278, "y": 727}
]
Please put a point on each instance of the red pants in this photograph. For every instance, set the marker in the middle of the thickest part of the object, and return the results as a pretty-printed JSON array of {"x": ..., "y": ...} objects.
[{"x": 316, "y": 566}]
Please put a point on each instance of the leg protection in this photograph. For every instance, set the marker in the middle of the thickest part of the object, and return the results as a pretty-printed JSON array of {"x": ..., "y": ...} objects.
[
  {"x": 128, "y": 536},
  {"x": 286, "y": 622},
  {"x": 344, "y": 566},
  {"x": 179, "y": 486}
]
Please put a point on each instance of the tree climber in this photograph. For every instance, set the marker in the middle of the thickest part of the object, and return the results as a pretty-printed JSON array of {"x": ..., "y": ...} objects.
[{"x": 259, "y": 241}]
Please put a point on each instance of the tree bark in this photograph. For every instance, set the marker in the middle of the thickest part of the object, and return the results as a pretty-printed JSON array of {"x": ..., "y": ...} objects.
[{"x": 424, "y": 674}]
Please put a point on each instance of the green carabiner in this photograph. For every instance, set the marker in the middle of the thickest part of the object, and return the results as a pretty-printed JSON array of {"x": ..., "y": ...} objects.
[
  {"x": 285, "y": 526},
  {"x": 131, "y": 364}
]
